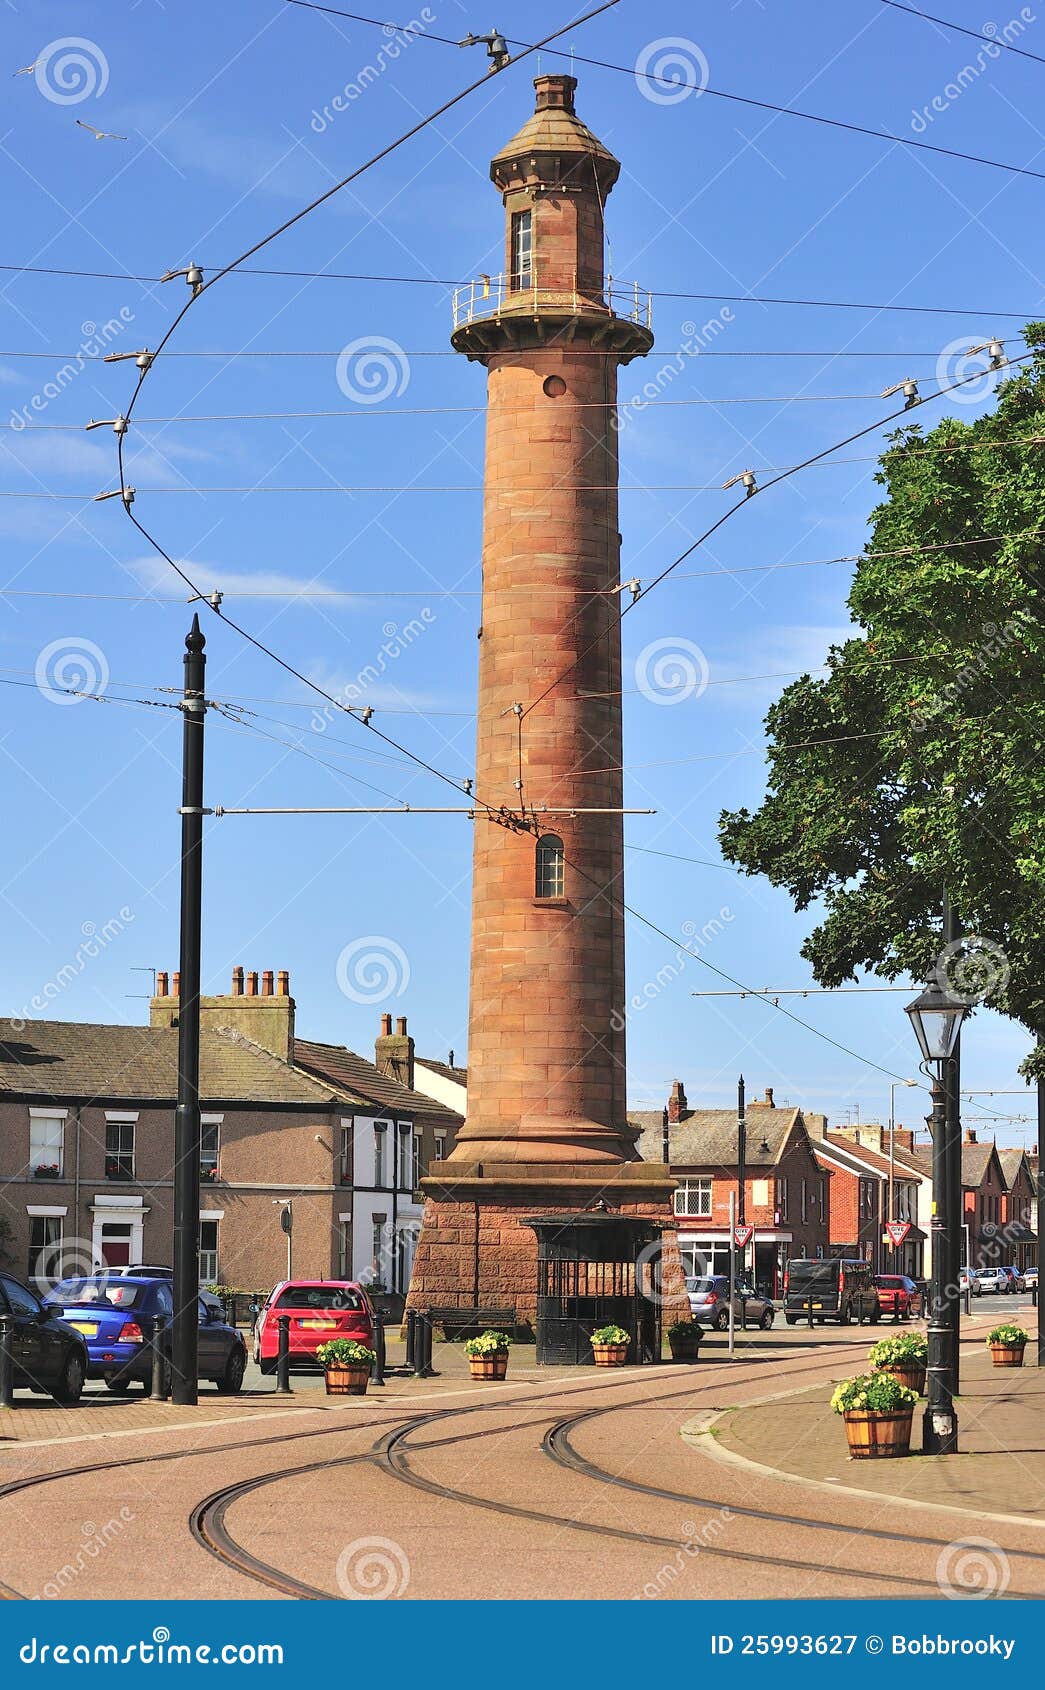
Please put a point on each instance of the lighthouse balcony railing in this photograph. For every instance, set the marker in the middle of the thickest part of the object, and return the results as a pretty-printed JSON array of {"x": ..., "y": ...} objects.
[{"x": 493, "y": 296}]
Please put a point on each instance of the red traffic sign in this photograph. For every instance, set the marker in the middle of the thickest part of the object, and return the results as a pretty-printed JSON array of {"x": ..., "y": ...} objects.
[
  {"x": 743, "y": 1236},
  {"x": 897, "y": 1231}
]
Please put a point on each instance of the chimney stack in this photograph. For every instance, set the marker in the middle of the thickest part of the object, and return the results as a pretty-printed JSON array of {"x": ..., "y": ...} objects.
[
  {"x": 970, "y": 1135},
  {"x": 266, "y": 1018},
  {"x": 394, "y": 1052},
  {"x": 677, "y": 1102},
  {"x": 162, "y": 984},
  {"x": 267, "y": 980},
  {"x": 237, "y": 981}
]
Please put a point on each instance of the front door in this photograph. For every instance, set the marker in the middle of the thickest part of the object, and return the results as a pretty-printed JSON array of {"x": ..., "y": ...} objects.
[{"x": 116, "y": 1244}]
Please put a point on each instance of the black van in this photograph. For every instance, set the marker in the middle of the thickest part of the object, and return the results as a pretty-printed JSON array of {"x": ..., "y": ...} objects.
[{"x": 840, "y": 1289}]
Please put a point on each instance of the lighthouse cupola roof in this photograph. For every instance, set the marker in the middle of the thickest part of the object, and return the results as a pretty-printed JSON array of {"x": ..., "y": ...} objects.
[{"x": 554, "y": 148}]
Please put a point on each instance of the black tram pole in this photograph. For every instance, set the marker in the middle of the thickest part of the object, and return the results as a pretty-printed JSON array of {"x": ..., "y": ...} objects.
[
  {"x": 185, "y": 1323},
  {"x": 953, "y": 1197},
  {"x": 1040, "y": 1194}
]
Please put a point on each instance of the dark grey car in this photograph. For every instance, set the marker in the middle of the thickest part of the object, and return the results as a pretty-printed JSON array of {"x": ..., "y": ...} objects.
[{"x": 709, "y": 1302}]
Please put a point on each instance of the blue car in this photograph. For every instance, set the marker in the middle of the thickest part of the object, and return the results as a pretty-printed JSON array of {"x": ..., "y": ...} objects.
[{"x": 116, "y": 1316}]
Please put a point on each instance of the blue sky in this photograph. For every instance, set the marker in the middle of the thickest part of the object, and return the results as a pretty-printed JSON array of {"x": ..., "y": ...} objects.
[{"x": 219, "y": 106}]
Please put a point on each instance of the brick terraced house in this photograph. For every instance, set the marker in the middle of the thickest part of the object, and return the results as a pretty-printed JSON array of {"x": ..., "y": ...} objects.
[
  {"x": 785, "y": 1190},
  {"x": 87, "y": 1134}
]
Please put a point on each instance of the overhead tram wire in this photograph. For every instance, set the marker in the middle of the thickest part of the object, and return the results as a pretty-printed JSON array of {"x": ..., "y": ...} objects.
[
  {"x": 447, "y": 352},
  {"x": 780, "y": 472},
  {"x": 438, "y": 282},
  {"x": 958, "y": 29},
  {"x": 425, "y": 591},
  {"x": 204, "y": 286},
  {"x": 679, "y": 86},
  {"x": 816, "y": 457}
]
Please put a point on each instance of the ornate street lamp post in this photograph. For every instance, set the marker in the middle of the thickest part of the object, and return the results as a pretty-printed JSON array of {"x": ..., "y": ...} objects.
[{"x": 936, "y": 1017}]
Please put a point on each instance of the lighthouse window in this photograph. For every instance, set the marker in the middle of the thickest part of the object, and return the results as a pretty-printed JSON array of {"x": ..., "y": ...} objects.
[
  {"x": 522, "y": 249},
  {"x": 550, "y": 867}
]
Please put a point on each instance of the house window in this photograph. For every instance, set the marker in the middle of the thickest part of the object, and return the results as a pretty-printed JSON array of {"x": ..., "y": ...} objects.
[
  {"x": 46, "y": 1133},
  {"x": 522, "y": 249},
  {"x": 781, "y": 1198},
  {"x": 820, "y": 1198},
  {"x": 440, "y": 1146},
  {"x": 378, "y": 1263},
  {"x": 344, "y": 1249},
  {"x": 551, "y": 873},
  {"x": 208, "y": 1252},
  {"x": 866, "y": 1199},
  {"x": 404, "y": 1151},
  {"x": 419, "y": 1159},
  {"x": 45, "y": 1249},
  {"x": 119, "y": 1149},
  {"x": 805, "y": 1201},
  {"x": 380, "y": 1139},
  {"x": 210, "y": 1138},
  {"x": 345, "y": 1159},
  {"x": 693, "y": 1197}
]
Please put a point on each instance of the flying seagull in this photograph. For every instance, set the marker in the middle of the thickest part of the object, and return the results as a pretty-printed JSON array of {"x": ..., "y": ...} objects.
[
  {"x": 26, "y": 70},
  {"x": 100, "y": 134}
]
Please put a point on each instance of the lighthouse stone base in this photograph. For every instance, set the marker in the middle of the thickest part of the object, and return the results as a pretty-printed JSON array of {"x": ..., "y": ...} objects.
[{"x": 476, "y": 1249}]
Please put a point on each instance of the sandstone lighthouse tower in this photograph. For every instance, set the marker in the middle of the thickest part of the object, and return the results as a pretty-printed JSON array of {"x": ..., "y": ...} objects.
[{"x": 546, "y": 1131}]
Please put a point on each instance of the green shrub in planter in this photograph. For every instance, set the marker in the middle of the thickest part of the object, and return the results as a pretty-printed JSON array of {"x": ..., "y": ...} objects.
[
  {"x": 872, "y": 1393},
  {"x": 345, "y": 1352},
  {"x": 1013, "y": 1337},
  {"x": 906, "y": 1349},
  {"x": 685, "y": 1329},
  {"x": 612, "y": 1335},
  {"x": 487, "y": 1344}
]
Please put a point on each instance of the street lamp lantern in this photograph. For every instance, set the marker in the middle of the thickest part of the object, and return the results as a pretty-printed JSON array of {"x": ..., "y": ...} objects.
[{"x": 937, "y": 1019}]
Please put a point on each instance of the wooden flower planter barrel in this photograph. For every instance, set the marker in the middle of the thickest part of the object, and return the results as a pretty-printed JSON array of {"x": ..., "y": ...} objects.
[
  {"x": 686, "y": 1346},
  {"x": 1007, "y": 1355},
  {"x": 493, "y": 1366},
  {"x": 350, "y": 1381},
  {"x": 610, "y": 1355},
  {"x": 878, "y": 1436},
  {"x": 913, "y": 1377}
]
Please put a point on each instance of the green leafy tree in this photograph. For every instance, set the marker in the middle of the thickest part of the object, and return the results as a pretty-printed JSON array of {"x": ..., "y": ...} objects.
[{"x": 916, "y": 763}]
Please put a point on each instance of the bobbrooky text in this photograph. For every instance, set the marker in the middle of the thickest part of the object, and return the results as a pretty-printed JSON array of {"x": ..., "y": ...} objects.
[{"x": 940, "y": 1645}]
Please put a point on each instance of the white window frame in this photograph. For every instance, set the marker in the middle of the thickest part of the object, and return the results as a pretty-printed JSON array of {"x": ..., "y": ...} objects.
[
  {"x": 700, "y": 1189},
  {"x": 439, "y": 1139},
  {"x": 44, "y": 1216},
  {"x": 210, "y": 1218},
  {"x": 39, "y": 1154},
  {"x": 123, "y": 1118},
  {"x": 781, "y": 1196},
  {"x": 214, "y": 1121},
  {"x": 380, "y": 1151}
]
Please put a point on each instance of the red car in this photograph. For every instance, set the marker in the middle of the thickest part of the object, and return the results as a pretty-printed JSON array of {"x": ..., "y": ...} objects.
[
  {"x": 319, "y": 1309},
  {"x": 898, "y": 1296}
]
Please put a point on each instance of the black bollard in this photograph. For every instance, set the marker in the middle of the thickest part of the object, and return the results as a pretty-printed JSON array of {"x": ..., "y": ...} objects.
[
  {"x": 159, "y": 1360},
  {"x": 809, "y": 1311},
  {"x": 283, "y": 1356},
  {"x": 411, "y": 1330},
  {"x": 6, "y": 1366},
  {"x": 377, "y": 1366},
  {"x": 422, "y": 1356}
]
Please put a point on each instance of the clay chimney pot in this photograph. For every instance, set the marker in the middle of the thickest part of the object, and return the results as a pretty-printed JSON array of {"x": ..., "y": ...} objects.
[
  {"x": 283, "y": 984},
  {"x": 176, "y": 985},
  {"x": 386, "y": 1026},
  {"x": 162, "y": 984},
  {"x": 267, "y": 979},
  {"x": 252, "y": 984},
  {"x": 237, "y": 982}
]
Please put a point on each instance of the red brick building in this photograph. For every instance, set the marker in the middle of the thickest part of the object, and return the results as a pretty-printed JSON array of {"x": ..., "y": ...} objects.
[
  {"x": 856, "y": 1159},
  {"x": 786, "y": 1195}
]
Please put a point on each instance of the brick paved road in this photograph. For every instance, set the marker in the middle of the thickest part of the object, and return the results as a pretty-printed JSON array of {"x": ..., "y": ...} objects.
[{"x": 489, "y": 1491}]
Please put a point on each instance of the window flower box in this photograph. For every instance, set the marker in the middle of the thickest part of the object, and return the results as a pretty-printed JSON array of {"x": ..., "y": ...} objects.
[{"x": 47, "y": 1170}]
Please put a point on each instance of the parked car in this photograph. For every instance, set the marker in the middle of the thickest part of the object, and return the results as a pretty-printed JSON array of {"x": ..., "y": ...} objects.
[
  {"x": 46, "y": 1354},
  {"x": 709, "y": 1301},
  {"x": 116, "y": 1316},
  {"x": 1030, "y": 1279},
  {"x": 992, "y": 1279},
  {"x": 898, "y": 1296},
  {"x": 143, "y": 1270},
  {"x": 969, "y": 1281},
  {"x": 319, "y": 1309},
  {"x": 1014, "y": 1280},
  {"x": 838, "y": 1288}
]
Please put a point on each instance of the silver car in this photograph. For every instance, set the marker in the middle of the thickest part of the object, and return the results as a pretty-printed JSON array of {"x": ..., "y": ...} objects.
[
  {"x": 709, "y": 1303},
  {"x": 992, "y": 1279}
]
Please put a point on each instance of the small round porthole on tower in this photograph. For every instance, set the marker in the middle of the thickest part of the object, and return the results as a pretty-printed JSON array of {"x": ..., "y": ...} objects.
[{"x": 554, "y": 387}]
